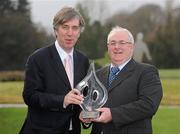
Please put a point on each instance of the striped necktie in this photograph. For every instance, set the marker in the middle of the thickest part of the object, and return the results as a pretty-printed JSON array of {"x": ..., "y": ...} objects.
[{"x": 113, "y": 72}]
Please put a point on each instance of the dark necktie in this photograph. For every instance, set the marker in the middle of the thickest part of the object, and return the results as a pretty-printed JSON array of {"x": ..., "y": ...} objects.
[{"x": 113, "y": 72}]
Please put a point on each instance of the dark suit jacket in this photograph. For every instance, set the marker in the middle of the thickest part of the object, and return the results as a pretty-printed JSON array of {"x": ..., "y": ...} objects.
[
  {"x": 46, "y": 85},
  {"x": 133, "y": 99}
]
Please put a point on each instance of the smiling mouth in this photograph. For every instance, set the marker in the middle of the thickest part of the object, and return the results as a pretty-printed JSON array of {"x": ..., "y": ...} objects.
[{"x": 118, "y": 52}]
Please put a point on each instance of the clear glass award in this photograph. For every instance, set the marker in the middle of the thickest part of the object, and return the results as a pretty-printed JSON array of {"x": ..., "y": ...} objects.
[{"x": 94, "y": 92}]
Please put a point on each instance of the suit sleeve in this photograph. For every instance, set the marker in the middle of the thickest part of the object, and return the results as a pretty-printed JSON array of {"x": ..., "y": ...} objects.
[
  {"x": 146, "y": 105},
  {"x": 34, "y": 93}
]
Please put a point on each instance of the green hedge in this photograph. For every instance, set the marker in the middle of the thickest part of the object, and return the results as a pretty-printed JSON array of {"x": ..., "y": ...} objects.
[{"x": 11, "y": 75}]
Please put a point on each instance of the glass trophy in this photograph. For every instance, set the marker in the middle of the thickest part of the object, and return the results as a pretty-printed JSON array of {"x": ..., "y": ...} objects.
[{"x": 94, "y": 93}]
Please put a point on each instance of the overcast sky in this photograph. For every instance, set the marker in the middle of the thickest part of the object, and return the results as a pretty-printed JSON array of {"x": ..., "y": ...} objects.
[{"x": 43, "y": 11}]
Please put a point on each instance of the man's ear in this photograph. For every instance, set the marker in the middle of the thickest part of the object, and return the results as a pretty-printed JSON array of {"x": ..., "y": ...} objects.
[{"x": 55, "y": 33}]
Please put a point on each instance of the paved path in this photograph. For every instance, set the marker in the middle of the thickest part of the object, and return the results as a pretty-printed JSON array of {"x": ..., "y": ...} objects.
[
  {"x": 170, "y": 106},
  {"x": 12, "y": 105},
  {"x": 24, "y": 105}
]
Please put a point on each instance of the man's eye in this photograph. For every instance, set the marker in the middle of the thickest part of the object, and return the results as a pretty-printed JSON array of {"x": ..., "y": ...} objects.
[
  {"x": 112, "y": 43},
  {"x": 75, "y": 28},
  {"x": 65, "y": 27},
  {"x": 123, "y": 42}
]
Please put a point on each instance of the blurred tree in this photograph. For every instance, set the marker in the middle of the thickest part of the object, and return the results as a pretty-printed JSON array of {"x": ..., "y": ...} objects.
[
  {"x": 18, "y": 35},
  {"x": 99, "y": 13},
  {"x": 23, "y": 7},
  {"x": 144, "y": 19},
  {"x": 161, "y": 30},
  {"x": 6, "y": 7},
  {"x": 165, "y": 46},
  {"x": 93, "y": 40}
]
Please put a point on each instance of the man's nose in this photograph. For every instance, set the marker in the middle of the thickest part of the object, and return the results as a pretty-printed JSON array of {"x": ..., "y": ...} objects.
[
  {"x": 70, "y": 31},
  {"x": 117, "y": 45}
]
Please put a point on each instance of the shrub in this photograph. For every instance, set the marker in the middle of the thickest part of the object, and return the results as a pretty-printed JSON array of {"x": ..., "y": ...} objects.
[{"x": 11, "y": 75}]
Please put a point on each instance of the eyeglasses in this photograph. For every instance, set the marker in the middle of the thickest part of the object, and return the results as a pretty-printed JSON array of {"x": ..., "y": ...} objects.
[{"x": 119, "y": 43}]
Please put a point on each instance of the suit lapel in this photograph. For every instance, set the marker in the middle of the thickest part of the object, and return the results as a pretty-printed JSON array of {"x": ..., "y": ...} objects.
[
  {"x": 58, "y": 65},
  {"x": 103, "y": 76},
  {"x": 123, "y": 74},
  {"x": 75, "y": 58}
]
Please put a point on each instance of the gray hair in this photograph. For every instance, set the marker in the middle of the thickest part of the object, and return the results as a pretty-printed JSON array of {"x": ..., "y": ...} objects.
[
  {"x": 120, "y": 29},
  {"x": 66, "y": 14}
]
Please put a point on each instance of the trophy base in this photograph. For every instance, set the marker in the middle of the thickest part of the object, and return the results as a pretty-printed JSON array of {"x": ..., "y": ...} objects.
[{"x": 90, "y": 114}]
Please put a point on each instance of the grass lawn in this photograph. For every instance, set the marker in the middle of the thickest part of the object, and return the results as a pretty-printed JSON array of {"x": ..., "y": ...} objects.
[
  {"x": 171, "y": 91},
  {"x": 11, "y": 92},
  {"x": 165, "y": 121},
  {"x": 11, "y": 120}
]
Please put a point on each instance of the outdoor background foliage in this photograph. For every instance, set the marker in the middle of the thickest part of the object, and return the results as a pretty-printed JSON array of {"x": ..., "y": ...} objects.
[{"x": 20, "y": 36}]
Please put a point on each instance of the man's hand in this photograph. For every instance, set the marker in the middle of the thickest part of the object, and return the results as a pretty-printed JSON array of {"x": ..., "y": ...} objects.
[
  {"x": 73, "y": 97},
  {"x": 105, "y": 115}
]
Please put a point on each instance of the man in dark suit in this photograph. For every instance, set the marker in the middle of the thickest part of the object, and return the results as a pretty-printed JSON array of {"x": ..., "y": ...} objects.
[
  {"x": 134, "y": 89},
  {"x": 51, "y": 74}
]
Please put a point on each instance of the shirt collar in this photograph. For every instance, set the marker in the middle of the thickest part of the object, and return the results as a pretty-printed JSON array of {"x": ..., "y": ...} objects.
[
  {"x": 63, "y": 54},
  {"x": 121, "y": 65}
]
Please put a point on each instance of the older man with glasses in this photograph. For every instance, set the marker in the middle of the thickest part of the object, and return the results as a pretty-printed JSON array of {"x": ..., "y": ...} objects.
[{"x": 134, "y": 89}]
